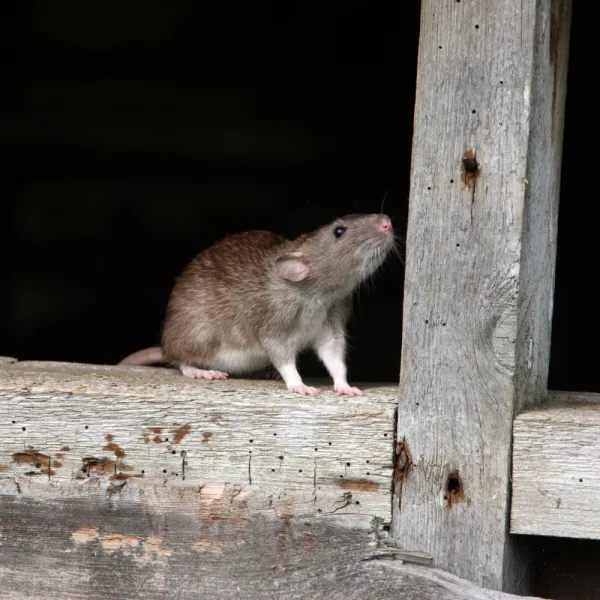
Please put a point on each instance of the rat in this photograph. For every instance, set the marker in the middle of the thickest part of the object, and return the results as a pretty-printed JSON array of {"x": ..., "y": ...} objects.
[{"x": 256, "y": 299}]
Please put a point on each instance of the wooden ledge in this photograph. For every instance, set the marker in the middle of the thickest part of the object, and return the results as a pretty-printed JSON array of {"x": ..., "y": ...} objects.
[
  {"x": 68, "y": 423},
  {"x": 556, "y": 468}
]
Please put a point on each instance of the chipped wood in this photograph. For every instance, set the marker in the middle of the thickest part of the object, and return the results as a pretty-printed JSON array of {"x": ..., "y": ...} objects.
[{"x": 68, "y": 423}]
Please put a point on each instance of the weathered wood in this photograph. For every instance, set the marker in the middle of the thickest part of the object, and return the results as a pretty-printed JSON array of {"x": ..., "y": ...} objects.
[
  {"x": 151, "y": 541},
  {"x": 556, "y": 468},
  {"x": 481, "y": 244},
  {"x": 64, "y": 423}
]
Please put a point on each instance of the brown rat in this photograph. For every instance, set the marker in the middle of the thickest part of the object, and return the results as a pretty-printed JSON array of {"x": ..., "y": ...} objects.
[{"x": 256, "y": 298}]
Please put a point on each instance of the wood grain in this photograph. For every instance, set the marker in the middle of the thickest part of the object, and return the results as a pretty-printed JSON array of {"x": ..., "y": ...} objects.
[
  {"x": 176, "y": 542},
  {"x": 556, "y": 468},
  {"x": 64, "y": 423},
  {"x": 481, "y": 245}
]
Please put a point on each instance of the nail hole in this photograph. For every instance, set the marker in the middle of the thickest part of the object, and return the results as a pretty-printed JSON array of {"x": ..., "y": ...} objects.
[
  {"x": 476, "y": 26},
  {"x": 417, "y": 403},
  {"x": 368, "y": 462},
  {"x": 428, "y": 187},
  {"x": 299, "y": 470},
  {"x": 368, "y": 473},
  {"x": 452, "y": 181},
  {"x": 357, "y": 502},
  {"x": 14, "y": 421},
  {"x": 426, "y": 320},
  {"x": 439, "y": 47},
  {"x": 166, "y": 439},
  {"x": 385, "y": 435},
  {"x": 86, "y": 427},
  {"x": 347, "y": 464},
  {"x": 183, "y": 453},
  {"x": 458, "y": 245},
  {"x": 251, "y": 441},
  {"x": 173, "y": 452},
  {"x": 274, "y": 434},
  {"x": 473, "y": 111},
  {"x": 341, "y": 477},
  {"x": 273, "y": 470},
  {"x": 249, "y": 451},
  {"x": 143, "y": 472},
  {"x": 581, "y": 481},
  {"x": 316, "y": 449},
  {"x": 164, "y": 470},
  {"x": 23, "y": 428},
  {"x": 319, "y": 510},
  {"x": 443, "y": 324},
  {"x": 501, "y": 82},
  {"x": 330, "y": 443}
]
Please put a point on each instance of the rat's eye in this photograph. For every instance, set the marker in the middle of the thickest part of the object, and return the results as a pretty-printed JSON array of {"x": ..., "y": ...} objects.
[{"x": 339, "y": 231}]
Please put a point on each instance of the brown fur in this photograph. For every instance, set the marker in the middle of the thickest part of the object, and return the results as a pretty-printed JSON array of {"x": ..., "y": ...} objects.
[{"x": 232, "y": 298}]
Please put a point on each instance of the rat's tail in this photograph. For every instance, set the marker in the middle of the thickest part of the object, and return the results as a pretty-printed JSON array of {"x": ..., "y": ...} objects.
[{"x": 148, "y": 356}]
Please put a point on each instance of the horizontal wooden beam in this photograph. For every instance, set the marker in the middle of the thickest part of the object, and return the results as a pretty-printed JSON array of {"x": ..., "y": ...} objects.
[
  {"x": 137, "y": 483},
  {"x": 66, "y": 423},
  {"x": 556, "y": 468},
  {"x": 185, "y": 542}
]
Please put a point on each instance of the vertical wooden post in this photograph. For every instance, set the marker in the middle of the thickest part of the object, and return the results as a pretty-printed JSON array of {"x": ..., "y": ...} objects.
[{"x": 479, "y": 272}]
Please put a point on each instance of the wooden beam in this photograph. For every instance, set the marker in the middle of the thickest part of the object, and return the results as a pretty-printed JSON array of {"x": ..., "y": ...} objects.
[
  {"x": 156, "y": 541},
  {"x": 556, "y": 468},
  {"x": 66, "y": 423},
  {"x": 88, "y": 511},
  {"x": 481, "y": 245}
]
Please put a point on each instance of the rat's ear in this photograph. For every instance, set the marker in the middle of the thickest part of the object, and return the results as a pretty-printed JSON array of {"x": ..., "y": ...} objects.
[{"x": 291, "y": 266}]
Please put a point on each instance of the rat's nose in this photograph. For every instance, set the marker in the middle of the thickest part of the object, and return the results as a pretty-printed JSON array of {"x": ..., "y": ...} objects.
[{"x": 384, "y": 224}]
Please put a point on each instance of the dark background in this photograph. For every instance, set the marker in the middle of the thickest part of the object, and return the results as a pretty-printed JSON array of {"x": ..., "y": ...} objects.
[{"x": 140, "y": 132}]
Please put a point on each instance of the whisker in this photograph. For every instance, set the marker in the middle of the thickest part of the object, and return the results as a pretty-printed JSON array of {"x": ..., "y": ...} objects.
[{"x": 383, "y": 201}]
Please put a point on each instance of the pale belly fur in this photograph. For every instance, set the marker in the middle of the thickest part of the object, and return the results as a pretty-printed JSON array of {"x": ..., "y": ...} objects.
[{"x": 238, "y": 361}]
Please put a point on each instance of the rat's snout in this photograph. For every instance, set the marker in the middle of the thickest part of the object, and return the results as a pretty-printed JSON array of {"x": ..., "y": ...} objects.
[{"x": 384, "y": 224}]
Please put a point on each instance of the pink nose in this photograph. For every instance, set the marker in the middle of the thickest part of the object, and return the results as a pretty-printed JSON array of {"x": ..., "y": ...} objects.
[{"x": 384, "y": 224}]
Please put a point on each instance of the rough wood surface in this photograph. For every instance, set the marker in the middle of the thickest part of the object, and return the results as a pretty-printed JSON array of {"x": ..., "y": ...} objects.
[
  {"x": 556, "y": 468},
  {"x": 175, "y": 542},
  {"x": 64, "y": 423},
  {"x": 481, "y": 244}
]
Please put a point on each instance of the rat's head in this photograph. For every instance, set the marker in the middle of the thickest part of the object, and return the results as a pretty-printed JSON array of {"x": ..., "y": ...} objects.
[{"x": 339, "y": 256}]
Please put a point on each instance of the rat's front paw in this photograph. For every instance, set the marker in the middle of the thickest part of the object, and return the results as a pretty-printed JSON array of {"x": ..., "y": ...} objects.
[
  {"x": 305, "y": 390},
  {"x": 347, "y": 390}
]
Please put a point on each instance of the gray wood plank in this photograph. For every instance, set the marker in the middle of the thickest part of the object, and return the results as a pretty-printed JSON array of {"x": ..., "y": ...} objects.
[
  {"x": 64, "y": 423},
  {"x": 556, "y": 468},
  {"x": 166, "y": 542},
  {"x": 481, "y": 245}
]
